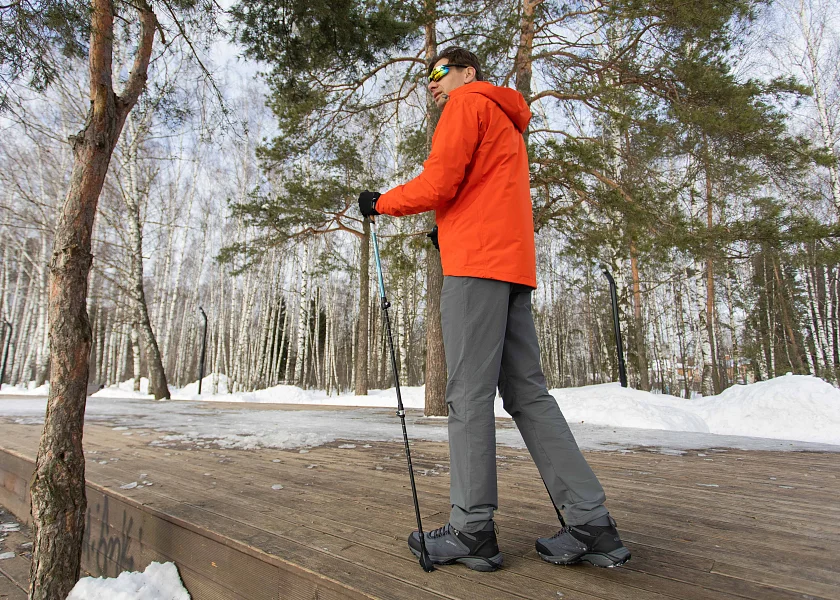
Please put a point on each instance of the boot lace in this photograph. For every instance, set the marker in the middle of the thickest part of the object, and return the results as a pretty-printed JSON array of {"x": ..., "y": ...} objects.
[
  {"x": 440, "y": 531},
  {"x": 563, "y": 530}
]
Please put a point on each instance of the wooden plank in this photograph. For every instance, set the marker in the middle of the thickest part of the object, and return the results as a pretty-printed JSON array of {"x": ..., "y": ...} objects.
[
  {"x": 132, "y": 538},
  {"x": 347, "y": 484},
  {"x": 15, "y": 474},
  {"x": 583, "y": 579},
  {"x": 759, "y": 593},
  {"x": 195, "y": 455},
  {"x": 688, "y": 541},
  {"x": 9, "y": 591},
  {"x": 385, "y": 556},
  {"x": 305, "y": 585}
]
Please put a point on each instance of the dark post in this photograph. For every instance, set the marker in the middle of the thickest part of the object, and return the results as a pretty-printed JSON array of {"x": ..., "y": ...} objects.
[
  {"x": 203, "y": 350},
  {"x": 8, "y": 327},
  {"x": 622, "y": 370}
]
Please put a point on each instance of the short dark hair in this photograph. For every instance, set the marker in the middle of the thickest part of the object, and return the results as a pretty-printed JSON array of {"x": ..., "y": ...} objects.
[{"x": 460, "y": 56}]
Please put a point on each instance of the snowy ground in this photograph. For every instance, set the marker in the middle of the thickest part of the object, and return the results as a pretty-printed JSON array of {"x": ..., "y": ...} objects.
[
  {"x": 787, "y": 413},
  {"x": 792, "y": 407}
]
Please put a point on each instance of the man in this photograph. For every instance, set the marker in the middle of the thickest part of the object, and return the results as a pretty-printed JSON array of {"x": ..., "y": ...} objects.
[{"x": 476, "y": 179}]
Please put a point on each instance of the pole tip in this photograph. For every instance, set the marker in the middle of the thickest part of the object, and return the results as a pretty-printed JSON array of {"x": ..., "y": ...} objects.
[{"x": 426, "y": 562}]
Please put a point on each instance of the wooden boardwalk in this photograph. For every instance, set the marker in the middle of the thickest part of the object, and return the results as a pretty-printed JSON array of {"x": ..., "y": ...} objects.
[{"x": 712, "y": 524}]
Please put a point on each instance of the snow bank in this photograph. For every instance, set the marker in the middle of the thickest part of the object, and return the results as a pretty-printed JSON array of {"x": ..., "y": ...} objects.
[
  {"x": 190, "y": 391},
  {"x": 610, "y": 404},
  {"x": 413, "y": 397},
  {"x": 26, "y": 390},
  {"x": 157, "y": 582},
  {"x": 792, "y": 407},
  {"x": 124, "y": 390}
]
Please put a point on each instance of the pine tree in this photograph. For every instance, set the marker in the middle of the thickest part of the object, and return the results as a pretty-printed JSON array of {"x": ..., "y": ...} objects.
[{"x": 33, "y": 37}]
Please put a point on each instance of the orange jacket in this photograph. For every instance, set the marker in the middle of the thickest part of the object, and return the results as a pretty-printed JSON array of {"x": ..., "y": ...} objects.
[{"x": 476, "y": 179}]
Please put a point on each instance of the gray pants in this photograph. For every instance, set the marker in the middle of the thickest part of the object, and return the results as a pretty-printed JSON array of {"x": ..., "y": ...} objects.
[{"x": 490, "y": 340}]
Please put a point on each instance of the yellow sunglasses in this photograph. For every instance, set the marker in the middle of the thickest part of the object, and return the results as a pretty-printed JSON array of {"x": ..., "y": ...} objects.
[{"x": 440, "y": 71}]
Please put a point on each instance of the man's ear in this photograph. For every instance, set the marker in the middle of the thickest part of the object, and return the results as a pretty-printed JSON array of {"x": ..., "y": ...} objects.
[{"x": 469, "y": 75}]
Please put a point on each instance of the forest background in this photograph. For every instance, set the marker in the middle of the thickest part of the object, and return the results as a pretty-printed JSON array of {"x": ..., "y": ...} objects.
[{"x": 692, "y": 149}]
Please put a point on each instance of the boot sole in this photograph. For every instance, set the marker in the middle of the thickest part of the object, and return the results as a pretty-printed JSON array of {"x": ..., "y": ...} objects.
[
  {"x": 615, "y": 558},
  {"x": 476, "y": 563}
]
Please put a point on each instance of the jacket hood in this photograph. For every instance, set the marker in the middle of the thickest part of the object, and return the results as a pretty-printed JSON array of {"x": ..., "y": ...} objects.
[{"x": 509, "y": 100}]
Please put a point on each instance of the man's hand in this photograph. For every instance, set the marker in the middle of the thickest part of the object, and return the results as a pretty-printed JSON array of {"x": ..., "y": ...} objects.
[
  {"x": 433, "y": 235},
  {"x": 367, "y": 203}
]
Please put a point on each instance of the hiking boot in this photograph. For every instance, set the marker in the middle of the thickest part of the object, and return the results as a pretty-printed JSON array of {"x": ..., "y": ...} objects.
[
  {"x": 446, "y": 545},
  {"x": 599, "y": 546}
]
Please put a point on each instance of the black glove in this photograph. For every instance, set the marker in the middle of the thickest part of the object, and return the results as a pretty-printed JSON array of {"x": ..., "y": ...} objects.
[
  {"x": 367, "y": 203},
  {"x": 432, "y": 235}
]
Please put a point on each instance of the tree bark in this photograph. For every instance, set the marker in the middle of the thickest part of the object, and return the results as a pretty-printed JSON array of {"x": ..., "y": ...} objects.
[
  {"x": 135, "y": 352},
  {"x": 302, "y": 318},
  {"x": 157, "y": 376},
  {"x": 523, "y": 61},
  {"x": 710, "y": 283},
  {"x": 42, "y": 353},
  {"x": 361, "y": 357},
  {"x": 435, "y": 402},
  {"x": 796, "y": 362},
  {"x": 58, "y": 486},
  {"x": 638, "y": 325}
]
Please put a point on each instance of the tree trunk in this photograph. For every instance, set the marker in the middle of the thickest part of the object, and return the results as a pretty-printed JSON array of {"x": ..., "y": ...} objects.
[
  {"x": 710, "y": 286},
  {"x": 361, "y": 349},
  {"x": 302, "y": 318},
  {"x": 522, "y": 62},
  {"x": 135, "y": 351},
  {"x": 110, "y": 345},
  {"x": 157, "y": 376},
  {"x": 638, "y": 325},
  {"x": 283, "y": 343},
  {"x": 58, "y": 486},
  {"x": 42, "y": 353},
  {"x": 796, "y": 360},
  {"x": 24, "y": 349},
  {"x": 680, "y": 333},
  {"x": 435, "y": 402}
]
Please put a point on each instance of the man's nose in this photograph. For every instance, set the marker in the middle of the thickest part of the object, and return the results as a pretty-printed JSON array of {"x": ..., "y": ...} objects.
[{"x": 433, "y": 86}]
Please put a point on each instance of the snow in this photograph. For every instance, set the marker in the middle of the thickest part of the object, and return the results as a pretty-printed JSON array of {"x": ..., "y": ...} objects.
[
  {"x": 125, "y": 390},
  {"x": 610, "y": 404},
  {"x": 26, "y": 390},
  {"x": 160, "y": 581},
  {"x": 413, "y": 397},
  {"x": 789, "y": 412},
  {"x": 190, "y": 391},
  {"x": 792, "y": 407}
]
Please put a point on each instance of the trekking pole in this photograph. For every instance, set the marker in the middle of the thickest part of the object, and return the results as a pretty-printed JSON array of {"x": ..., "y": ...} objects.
[{"x": 425, "y": 561}]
